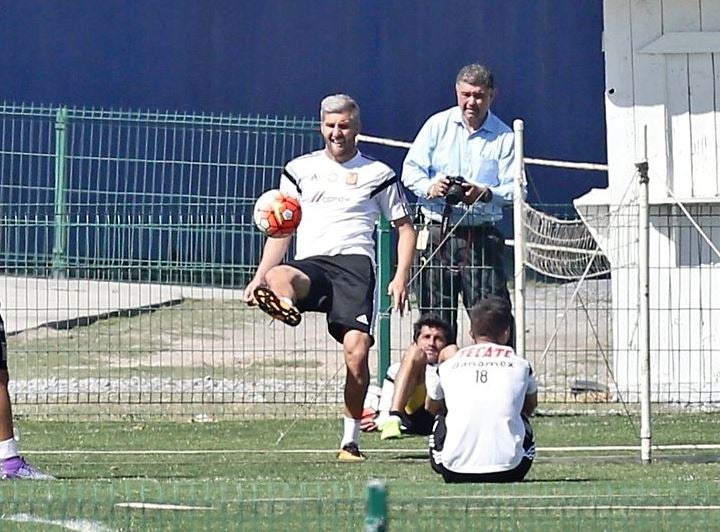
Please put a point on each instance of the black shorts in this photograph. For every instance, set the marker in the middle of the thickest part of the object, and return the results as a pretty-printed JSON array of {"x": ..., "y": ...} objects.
[
  {"x": 343, "y": 287},
  {"x": 3, "y": 346},
  {"x": 419, "y": 422},
  {"x": 437, "y": 441}
]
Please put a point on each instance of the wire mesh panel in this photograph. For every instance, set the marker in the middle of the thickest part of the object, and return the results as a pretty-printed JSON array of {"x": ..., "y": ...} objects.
[
  {"x": 601, "y": 308},
  {"x": 126, "y": 240},
  {"x": 132, "y": 189},
  {"x": 569, "y": 300}
]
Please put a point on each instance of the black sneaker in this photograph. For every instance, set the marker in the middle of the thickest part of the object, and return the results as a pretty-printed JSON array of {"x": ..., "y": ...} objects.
[
  {"x": 277, "y": 308},
  {"x": 350, "y": 453}
]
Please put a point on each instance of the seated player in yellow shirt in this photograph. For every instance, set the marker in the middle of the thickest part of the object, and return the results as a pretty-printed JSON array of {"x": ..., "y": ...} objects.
[{"x": 401, "y": 409}]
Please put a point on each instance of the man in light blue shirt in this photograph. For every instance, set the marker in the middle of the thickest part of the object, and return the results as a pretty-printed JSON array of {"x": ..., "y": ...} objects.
[{"x": 466, "y": 141}]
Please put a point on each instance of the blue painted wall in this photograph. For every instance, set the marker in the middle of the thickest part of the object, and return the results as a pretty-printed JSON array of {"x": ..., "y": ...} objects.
[{"x": 397, "y": 57}]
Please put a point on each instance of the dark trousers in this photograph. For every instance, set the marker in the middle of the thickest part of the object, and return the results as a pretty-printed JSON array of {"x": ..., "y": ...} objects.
[{"x": 469, "y": 263}]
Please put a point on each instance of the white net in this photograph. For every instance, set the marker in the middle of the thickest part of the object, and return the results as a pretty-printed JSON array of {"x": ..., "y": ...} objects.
[{"x": 562, "y": 249}]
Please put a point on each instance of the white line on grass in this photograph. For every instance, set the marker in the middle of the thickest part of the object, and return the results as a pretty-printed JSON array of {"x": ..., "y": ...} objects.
[
  {"x": 506, "y": 497},
  {"x": 158, "y": 506},
  {"x": 613, "y": 507},
  {"x": 678, "y": 447},
  {"x": 468, "y": 497},
  {"x": 77, "y": 525},
  {"x": 557, "y": 496},
  {"x": 569, "y": 449},
  {"x": 639, "y": 507}
]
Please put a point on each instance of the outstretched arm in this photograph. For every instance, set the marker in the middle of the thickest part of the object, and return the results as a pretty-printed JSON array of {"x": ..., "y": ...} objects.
[
  {"x": 273, "y": 253},
  {"x": 397, "y": 289}
]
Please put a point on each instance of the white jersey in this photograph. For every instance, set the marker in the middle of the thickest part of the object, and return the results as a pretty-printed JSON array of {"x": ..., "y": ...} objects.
[
  {"x": 484, "y": 386},
  {"x": 341, "y": 203}
]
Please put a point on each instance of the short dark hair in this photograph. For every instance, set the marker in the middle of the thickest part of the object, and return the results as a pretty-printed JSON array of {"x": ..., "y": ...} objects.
[
  {"x": 433, "y": 320},
  {"x": 491, "y": 317},
  {"x": 477, "y": 75}
]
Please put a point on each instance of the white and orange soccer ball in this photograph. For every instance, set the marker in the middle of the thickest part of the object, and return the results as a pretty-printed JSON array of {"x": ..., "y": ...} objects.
[{"x": 277, "y": 214}]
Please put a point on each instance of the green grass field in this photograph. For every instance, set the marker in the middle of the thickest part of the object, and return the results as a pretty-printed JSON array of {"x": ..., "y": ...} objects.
[{"x": 234, "y": 475}]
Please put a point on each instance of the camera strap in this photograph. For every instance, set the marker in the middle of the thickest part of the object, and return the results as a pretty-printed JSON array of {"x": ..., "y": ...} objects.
[
  {"x": 445, "y": 230},
  {"x": 445, "y": 222}
]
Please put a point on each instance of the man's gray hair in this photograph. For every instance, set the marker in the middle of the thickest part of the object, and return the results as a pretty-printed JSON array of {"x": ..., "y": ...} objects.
[
  {"x": 340, "y": 103},
  {"x": 477, "y": 75}
]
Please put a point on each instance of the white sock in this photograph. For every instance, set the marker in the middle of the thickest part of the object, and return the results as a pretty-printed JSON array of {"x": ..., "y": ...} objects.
[
  {"x": 351, "y": 431},
  {"x": 386, "y": 396},
  {"x": 8, "y": 449}
]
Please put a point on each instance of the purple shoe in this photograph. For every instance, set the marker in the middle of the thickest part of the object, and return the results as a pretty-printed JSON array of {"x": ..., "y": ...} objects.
[{"x": 17, "y": 468}]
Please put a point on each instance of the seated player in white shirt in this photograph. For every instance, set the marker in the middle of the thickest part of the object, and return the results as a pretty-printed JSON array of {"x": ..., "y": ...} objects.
[{"x": 488, "y": 392}]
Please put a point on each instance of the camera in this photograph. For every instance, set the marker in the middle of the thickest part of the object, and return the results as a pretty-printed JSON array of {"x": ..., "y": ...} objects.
[{"x": 455, "y": 192}]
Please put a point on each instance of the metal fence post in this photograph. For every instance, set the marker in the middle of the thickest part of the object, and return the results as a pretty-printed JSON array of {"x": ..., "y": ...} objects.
[
  {"x": 376, "y": 517},
  {"x": 384, "y": 260},
  {"x": 644, "y": 310},
  {"x": 59, "y": 254},
  {"x": 519, "y": 238}
]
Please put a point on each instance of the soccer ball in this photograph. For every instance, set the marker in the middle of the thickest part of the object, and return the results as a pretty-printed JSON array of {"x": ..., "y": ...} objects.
[{"x": 277, "y": 214}]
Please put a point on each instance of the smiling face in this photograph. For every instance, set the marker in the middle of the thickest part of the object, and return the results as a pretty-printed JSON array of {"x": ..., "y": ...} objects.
[
  {"x": 340, "y": 131},
  {"x": 431, "y": 341},
  {"x": 474, "y": 102}
]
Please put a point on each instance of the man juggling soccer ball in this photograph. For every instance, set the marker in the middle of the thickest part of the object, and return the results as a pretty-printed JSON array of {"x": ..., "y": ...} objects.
[{"x": 342, "y": 194}]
